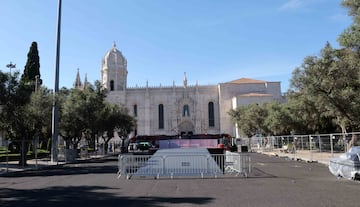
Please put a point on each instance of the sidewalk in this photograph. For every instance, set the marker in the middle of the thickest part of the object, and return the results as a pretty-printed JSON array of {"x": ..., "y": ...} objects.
[
  {"x": 306, "y": 155},
  {"x": 33, "y": 164},
  {"x": 13, "y": 166}
]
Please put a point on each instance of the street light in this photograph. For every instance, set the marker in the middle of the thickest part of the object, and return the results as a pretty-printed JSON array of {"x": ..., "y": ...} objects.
[
  {"x": 310, "y": 141},
  {"x": 332, "y": 138},
  {"x": 37, "y": 83},
  {"x": 294, "y": 147},
  {"x": 11, "y": 66},
  {"x": 55, "y": 114}
]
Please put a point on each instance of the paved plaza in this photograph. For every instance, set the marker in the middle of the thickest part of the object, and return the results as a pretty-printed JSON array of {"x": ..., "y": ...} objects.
[
  {"x": 305, "y": 155},
  {"x": 274, "y": 181}
]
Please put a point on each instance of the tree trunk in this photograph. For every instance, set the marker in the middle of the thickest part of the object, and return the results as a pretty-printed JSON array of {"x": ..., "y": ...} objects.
[
  {"x": 106, "y": 145},
  {"x": 23, "y": 152},
  {"x": 93, "y": 140},
  {"x": 67, "y": 143},
  {"x": 353, "y": 141}
]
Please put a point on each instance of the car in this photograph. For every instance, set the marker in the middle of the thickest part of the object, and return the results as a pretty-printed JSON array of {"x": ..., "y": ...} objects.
[
  {"x": 144, "y": 146},
  {"x": 132, "y": 147}
]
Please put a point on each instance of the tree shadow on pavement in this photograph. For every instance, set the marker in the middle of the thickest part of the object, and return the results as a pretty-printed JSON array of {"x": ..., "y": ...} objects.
[
  {"x": 88, "y": 196},
  {"x": 258, "y": 173}
]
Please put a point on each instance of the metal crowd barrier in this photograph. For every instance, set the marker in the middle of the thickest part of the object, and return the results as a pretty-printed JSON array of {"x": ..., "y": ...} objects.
[
  {"x": 184, "y": 165},
  {"x": 238, "y": 164}
]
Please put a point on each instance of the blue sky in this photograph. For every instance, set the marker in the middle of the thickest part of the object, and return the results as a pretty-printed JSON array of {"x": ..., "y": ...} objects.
[{"x": 212, "y": 41}]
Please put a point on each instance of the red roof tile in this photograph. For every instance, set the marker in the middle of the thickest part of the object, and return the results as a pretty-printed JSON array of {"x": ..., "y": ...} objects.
[{"x": 246, "y": 80}]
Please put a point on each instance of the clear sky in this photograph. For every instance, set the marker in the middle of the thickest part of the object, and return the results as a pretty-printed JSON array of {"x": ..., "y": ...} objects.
[{"x": 212, "y": 41}]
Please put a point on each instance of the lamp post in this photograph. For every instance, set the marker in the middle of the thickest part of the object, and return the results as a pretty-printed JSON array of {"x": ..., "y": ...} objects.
[
  {"x": 310, "y": 141},
  {"x": 294, "y": 147},
  {"x": 11, "y": 66},
  {"x": 37, "y": 78},
  {"x": 55, "y": 114},
  {"x": 332, "y": 137}
]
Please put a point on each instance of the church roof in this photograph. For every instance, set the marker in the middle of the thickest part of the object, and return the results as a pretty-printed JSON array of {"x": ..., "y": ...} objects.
[
  {"x": 256, "y": 95},
  {"x": 246, "y": 80}
]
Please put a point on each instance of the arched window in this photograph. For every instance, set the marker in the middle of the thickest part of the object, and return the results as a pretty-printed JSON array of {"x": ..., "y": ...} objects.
[
  {"x": 186, "y": 111},
  {"x": 161, "y": 116},
  {"x": 211, "y": 114},
  {"x": 111, "y": 85},
  {"x": 135, "y": 110}
]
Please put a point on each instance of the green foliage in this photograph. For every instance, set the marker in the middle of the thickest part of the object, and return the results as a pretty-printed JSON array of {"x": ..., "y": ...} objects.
[
  {"x": 250, "y": 119},
  {"x": 25, "y": 114},
  {"x": 22, "y": 114},
  {"x": 48, "y": 145},
  {"x": 350, "y": 38},
  {"x": 3, "y": 150},
  {"x": 4, "y": 81},
  {"x": 86, "y": 114},
  {"x": 72, "y": 115},
  {"x": 13, "y": 106},
  {"x": 115, "y": 119},
  {"x": 32, "y": 67},
  {"x": 271, "y": 118},
  {"x": 325, "y": 88},
  {"x": 328, "y": 87},
  {"x": 29, "y": 155},
  {"x": 39, "y": 110},
  {"x": 278, "y": 119}
]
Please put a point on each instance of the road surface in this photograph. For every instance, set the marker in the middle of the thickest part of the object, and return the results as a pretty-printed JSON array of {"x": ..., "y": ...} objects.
[{"x": 274, "y": 182}]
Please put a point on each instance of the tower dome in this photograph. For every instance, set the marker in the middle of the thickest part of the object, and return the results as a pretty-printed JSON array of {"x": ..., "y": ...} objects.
[
  {"x": 114, "y": 70},
  {"x": 114, "y": 57}
]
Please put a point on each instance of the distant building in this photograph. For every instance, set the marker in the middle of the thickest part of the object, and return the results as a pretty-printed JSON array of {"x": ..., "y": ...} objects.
[
  {"x": 184, "y": 109},
  {"x": 77, "y": 83}
]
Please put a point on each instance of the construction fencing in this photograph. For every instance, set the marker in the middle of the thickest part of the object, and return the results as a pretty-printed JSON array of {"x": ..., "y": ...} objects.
[
  {"x": 186, "y": 165},
  {"x": 319, "y": 142},
  {"x": 328, "y": 145}
]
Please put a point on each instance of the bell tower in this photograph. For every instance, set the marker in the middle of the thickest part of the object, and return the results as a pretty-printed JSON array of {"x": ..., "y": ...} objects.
[{"x": 114, "y": 70}]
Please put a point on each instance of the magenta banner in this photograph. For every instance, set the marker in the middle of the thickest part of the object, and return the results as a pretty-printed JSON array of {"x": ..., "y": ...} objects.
[{"x": 188, "y": 143}]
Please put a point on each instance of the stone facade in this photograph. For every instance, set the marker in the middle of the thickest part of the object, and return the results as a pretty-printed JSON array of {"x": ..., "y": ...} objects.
[{"x": 185, "y": 109}]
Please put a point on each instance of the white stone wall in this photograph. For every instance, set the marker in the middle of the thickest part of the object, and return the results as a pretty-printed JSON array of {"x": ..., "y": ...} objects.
[
  {"x": 173, "y": 99},
  {"x": 246, "y": 100}
]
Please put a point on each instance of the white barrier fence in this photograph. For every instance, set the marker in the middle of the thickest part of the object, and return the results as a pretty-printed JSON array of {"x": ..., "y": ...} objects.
[
  {"x": 331, "y": 143},
  {"x": 184, "y": 165},
  {"x": 238, "y": 164}
]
